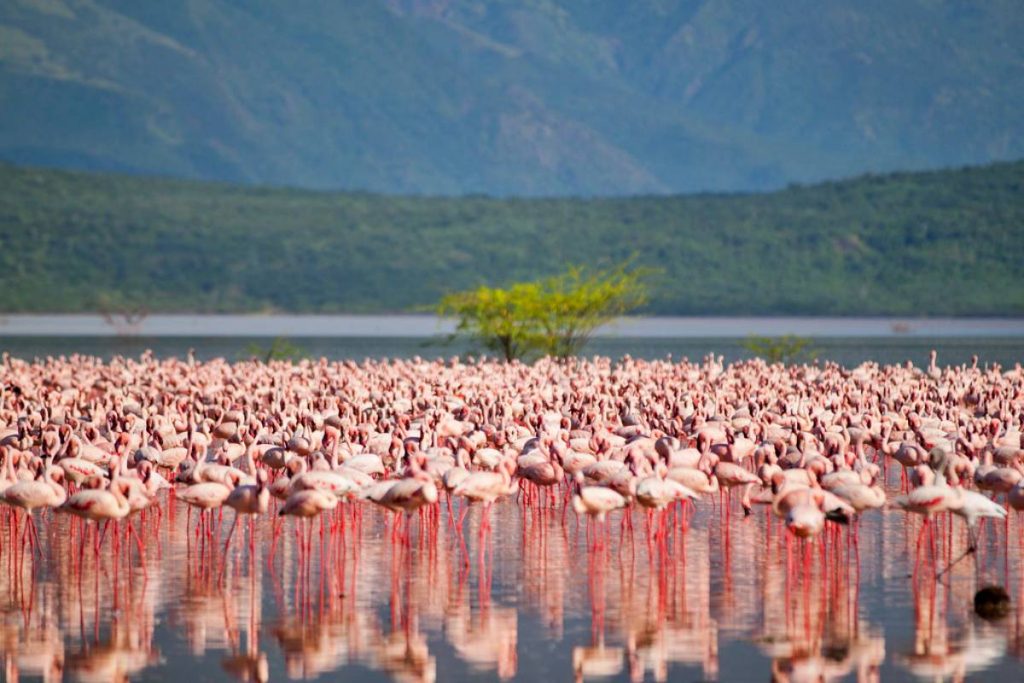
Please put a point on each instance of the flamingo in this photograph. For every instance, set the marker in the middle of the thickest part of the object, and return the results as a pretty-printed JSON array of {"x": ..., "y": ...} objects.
[
  {"x": 250, "y": 500},
  {"x": 656, "y": 493},
  {"x": 486, "y": 487},
  {"x": 308, "y": 503},
  {"x": 1015, "y": 497},
  {"x": 596, "y": 502},
  {"x": 207, "y": 495},
  {"x": 410, "y": 494},
  {"x": 456, "y": 474},
  {"x": 99, "y": 504},
  {"x": 42, "y": 492},
  {"x": 860, "y": 496},
  {"x": 805, "y": 519},
  {"x": 731, "y": 475},
  {"x": 974, "y": 506},
  {"x": 78, "y": 470},
  {"x": 325, "y": 480},
  {"x": 694, "y": 479}
]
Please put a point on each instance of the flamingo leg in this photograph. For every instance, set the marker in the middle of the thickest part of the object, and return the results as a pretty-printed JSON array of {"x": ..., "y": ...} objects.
[{"x": 227, "y": 544}]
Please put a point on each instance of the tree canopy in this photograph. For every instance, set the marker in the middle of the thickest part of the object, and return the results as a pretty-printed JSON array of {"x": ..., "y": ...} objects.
[{"x": 553, "y": 316}]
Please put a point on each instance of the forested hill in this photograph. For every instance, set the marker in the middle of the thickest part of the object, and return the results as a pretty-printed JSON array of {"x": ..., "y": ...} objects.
[
  {"x": 935, "y": 243},
  {"x": 511, "y": 98}
]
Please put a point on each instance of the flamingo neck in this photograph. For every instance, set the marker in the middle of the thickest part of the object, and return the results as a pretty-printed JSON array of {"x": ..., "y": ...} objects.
[
  {"x": 250, "y": 462},
  {"x": 12, "y": 474},
  {"x": 335, "y": 441}
]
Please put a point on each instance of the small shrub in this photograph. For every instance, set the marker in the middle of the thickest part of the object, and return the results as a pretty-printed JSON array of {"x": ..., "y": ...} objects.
[
  {"x": 786, "y": 349},
  {"x": 280, "y": 349}
]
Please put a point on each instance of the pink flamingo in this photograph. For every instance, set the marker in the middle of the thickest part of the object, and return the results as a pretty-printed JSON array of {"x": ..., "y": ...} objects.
[
  {"x": 42, "y": 492},
  {"x": 249, "y": 500},
  {"x": 99, "y": 505}
]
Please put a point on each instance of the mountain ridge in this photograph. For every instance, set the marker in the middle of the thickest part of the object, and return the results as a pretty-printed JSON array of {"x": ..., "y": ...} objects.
[{"x": 509, "y": 98}]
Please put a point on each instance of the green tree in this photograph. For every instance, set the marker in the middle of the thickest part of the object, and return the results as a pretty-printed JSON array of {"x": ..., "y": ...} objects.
[
  {"x": 786, "y": 349},
  {"x": 280, "y": 349},
  {"x": 552, "y": 316}
]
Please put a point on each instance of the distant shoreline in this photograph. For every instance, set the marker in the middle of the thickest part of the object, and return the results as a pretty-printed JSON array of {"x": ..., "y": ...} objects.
[{"x": 420, "y": 326}]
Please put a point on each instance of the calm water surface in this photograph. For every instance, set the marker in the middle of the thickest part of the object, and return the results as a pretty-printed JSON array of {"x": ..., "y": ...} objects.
[
  {"x": 850, "y": 351},
  {"x": 537, "y": 598}
]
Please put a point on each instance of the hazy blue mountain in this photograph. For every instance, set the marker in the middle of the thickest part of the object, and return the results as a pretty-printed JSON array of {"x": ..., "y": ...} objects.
[{"x": 511, "y": 96}]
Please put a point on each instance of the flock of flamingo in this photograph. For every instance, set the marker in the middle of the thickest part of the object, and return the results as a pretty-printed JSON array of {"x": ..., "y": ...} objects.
[{"x": 123, "y": 442}]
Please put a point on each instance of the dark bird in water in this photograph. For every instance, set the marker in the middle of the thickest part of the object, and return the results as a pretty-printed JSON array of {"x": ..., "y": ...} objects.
[{"x": 992, "y": 602}]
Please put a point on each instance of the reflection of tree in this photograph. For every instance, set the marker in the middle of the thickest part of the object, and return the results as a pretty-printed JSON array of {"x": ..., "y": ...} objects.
[
  {"x": 125, "y": 323},
  {"x": 124, "y": 316}
]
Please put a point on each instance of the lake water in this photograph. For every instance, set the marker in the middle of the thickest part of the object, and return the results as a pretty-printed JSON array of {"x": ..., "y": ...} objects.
[
  {"x": 534, "y": 599},
  {"x": 849, "y": 341},
  {"x": 849, "y": 351}
]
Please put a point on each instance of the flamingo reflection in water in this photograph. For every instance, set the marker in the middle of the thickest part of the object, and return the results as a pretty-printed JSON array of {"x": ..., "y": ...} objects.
[
  {"x": 243, "y": 611},
  {"x": 325, "y": 621},
  {"x": 546, "y": 553},
  {"x": 812, "y": 627},
  {"x": 950, "y": 646},
  {"x": 126, "y": 653},
  {"x": 35, "y": 649},
  {"x": 96, "y": 642},
  {"x": 665, "y": 608},
  {"x": 485, "y": 636}
]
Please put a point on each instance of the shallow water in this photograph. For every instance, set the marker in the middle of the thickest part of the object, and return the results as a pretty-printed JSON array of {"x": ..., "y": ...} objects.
[
  {"x": 542, "y": 596},
  {"x": 849, "y": 351}
]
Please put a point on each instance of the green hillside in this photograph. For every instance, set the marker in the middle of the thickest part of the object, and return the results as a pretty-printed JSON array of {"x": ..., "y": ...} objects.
[
  {"x": 511, "y": 97},
  {"x": 949, "y": 242}
]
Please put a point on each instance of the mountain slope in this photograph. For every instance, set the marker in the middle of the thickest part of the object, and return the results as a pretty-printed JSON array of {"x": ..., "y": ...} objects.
[
  {"x": 931, "y": 243},
  {"x": 511, "y": 97}
]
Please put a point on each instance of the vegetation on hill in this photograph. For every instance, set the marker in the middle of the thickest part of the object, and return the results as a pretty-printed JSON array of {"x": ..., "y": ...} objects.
[
  {"x": 508, "y": 97},
  {"x": 934, "y": 243}
]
